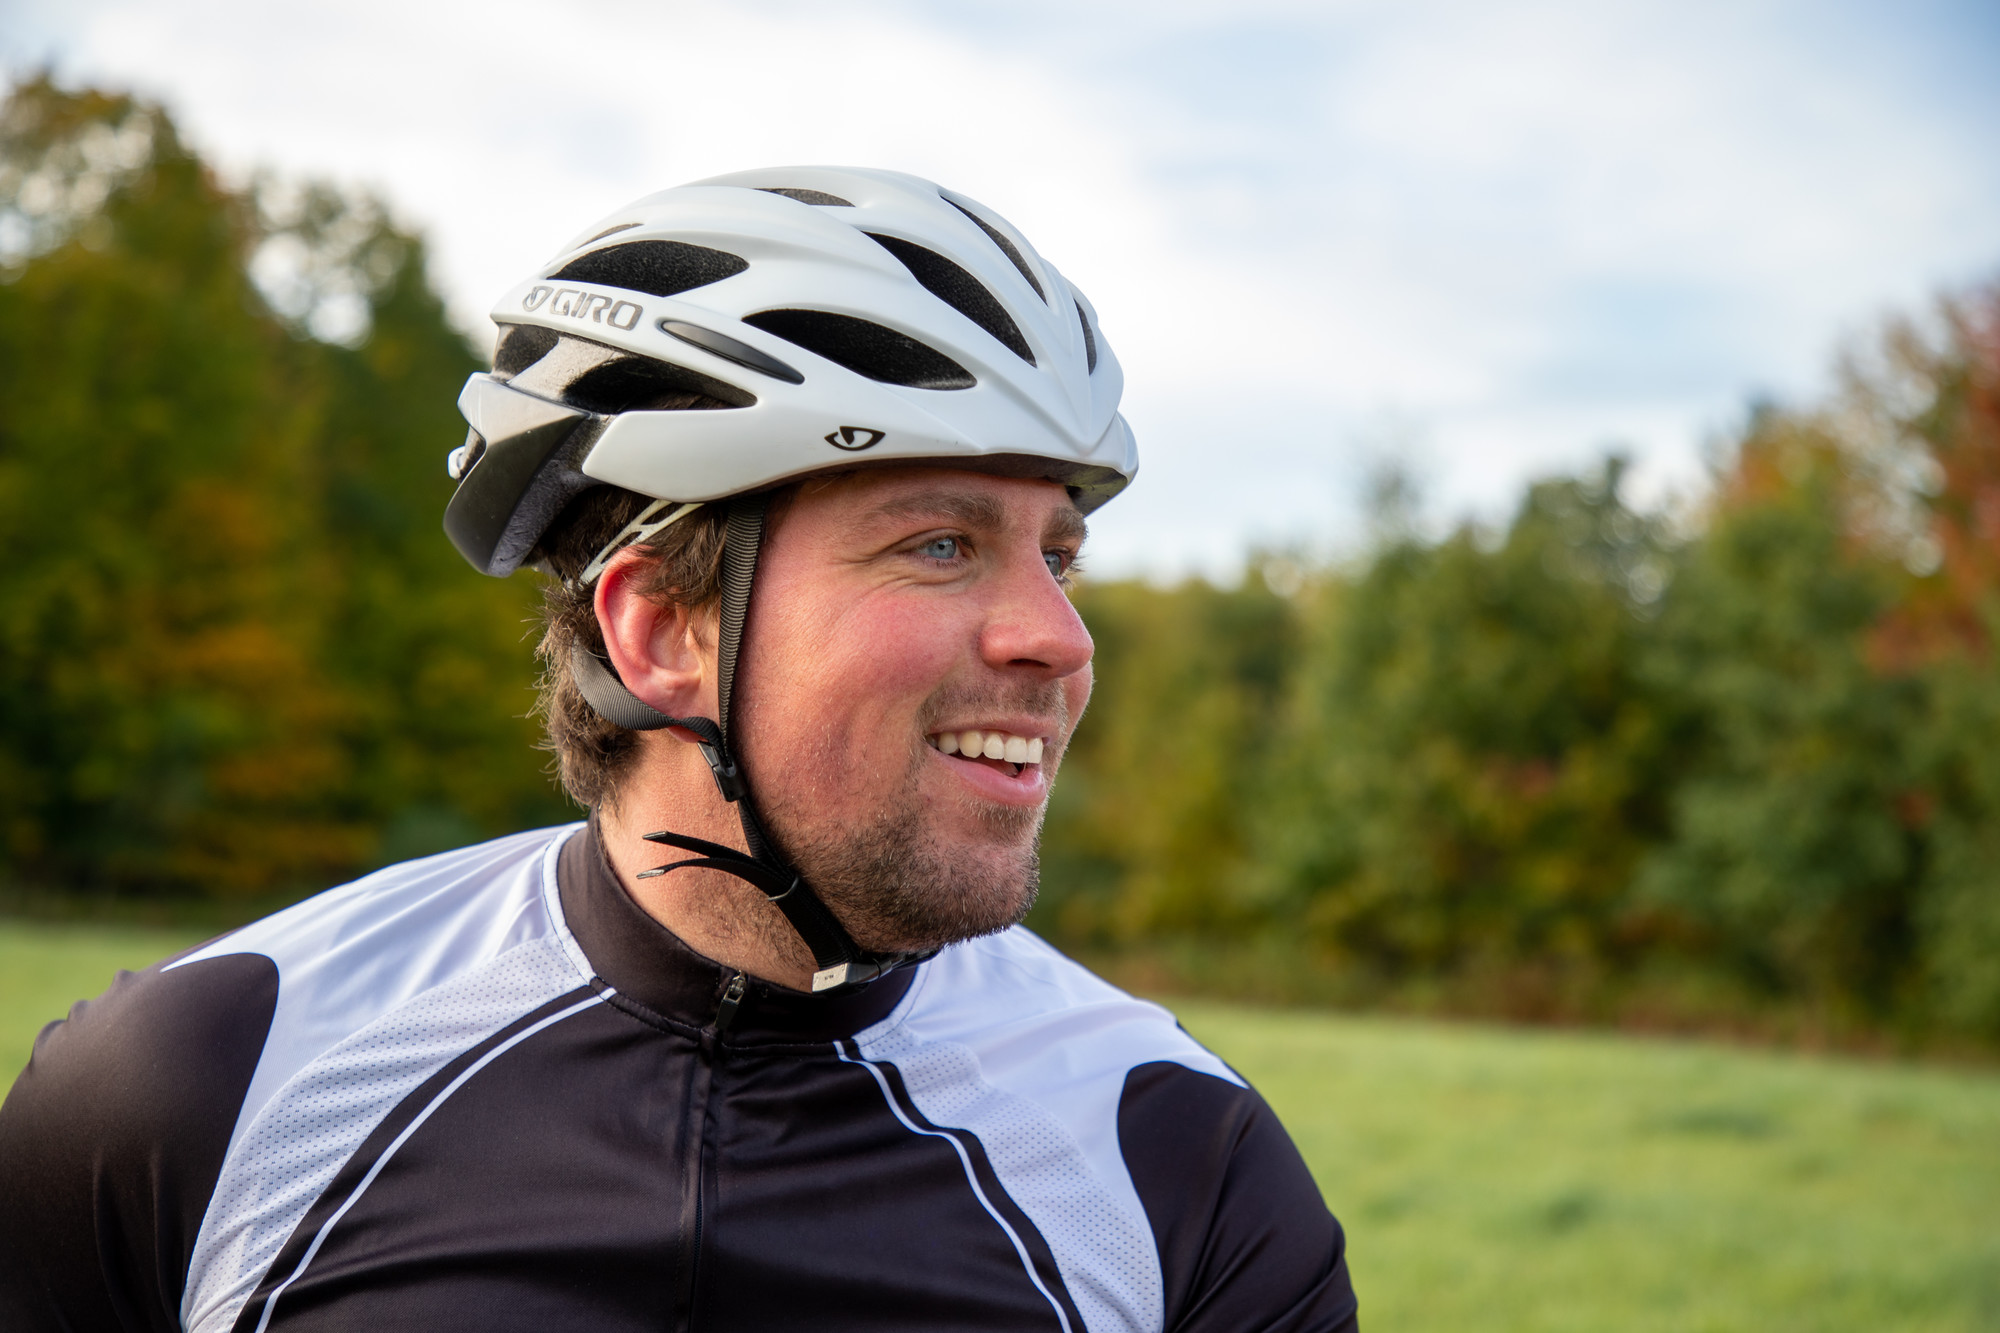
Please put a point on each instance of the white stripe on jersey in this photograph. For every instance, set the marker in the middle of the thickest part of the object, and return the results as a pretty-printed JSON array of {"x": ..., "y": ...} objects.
[{"x": 1006, "y": 1038}]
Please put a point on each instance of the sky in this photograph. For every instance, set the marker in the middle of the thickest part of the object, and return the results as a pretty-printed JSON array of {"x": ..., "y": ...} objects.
[{"x": 1480, "y": 243}]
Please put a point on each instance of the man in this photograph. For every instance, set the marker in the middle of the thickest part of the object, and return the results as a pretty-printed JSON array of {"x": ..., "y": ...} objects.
[{"x": 807, "y": 455}]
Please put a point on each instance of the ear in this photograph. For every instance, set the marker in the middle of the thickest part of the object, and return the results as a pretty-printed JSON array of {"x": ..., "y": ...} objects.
[{"x": 658, "y": 649}]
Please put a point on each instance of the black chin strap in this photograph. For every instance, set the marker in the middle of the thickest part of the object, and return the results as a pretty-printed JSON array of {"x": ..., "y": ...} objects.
[{"x": 837, "y": 959}]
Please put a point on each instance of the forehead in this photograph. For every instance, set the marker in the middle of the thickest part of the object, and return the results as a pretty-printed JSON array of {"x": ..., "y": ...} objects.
[{"x": 864, "y": 500}]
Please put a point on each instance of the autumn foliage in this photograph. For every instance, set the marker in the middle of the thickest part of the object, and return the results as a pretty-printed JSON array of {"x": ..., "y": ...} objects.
[
  {"x": 234, "y": 654},
  {"x": 1734, "y": 765},
  {"x": 1740, "y": 766}
]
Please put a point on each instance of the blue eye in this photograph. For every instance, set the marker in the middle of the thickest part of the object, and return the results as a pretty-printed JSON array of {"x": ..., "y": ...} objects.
[
  {"x": 943, "y": 548},
  {"x": 1056, "y": 561}
]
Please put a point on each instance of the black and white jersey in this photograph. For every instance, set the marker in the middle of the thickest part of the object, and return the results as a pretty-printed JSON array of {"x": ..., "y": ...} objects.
[{"x": 485, "y": 1090}]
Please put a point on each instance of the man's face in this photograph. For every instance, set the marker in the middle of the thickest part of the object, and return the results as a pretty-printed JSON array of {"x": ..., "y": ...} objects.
[{"x": 893, "y": 609}]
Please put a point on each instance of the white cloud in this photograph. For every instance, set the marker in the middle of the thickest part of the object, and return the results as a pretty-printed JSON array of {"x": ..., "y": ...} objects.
[{"x": 1524, "y": 230}]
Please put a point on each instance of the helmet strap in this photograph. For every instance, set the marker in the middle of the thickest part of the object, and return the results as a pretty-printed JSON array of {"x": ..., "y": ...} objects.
[{"x": 743, "y": 539}]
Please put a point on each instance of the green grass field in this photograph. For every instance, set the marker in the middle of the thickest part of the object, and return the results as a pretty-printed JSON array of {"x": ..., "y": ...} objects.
[
  {"x": 1498, "y": 1179},
  {"x": 1503, "y": 1179}
]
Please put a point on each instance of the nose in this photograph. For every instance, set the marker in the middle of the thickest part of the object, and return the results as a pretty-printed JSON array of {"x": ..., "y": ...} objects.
[{"x": 1031, "y": 624}]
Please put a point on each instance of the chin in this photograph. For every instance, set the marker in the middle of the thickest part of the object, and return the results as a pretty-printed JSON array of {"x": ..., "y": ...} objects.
[{"x": 906, "y": 886}]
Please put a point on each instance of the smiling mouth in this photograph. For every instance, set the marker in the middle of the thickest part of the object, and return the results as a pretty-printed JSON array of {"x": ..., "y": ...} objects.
[{"x": 997, "y": 749}]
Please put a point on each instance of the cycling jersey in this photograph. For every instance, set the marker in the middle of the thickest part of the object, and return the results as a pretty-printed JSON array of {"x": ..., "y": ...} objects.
[{"x": 485, "y": 1090}]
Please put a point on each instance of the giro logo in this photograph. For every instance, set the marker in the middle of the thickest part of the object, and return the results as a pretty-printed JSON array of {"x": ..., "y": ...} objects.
[
  {"x": 594, "y": 306},
  {"x": 854, "y": 438}
]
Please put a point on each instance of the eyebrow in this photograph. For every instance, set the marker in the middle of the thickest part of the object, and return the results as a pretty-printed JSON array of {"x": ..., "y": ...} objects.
[
  {"x": 975, "y": 509},
  {"x": 1066, "y": 525}
]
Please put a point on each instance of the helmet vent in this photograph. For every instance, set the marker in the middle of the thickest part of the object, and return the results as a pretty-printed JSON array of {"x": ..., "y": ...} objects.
[
  {"x": 1089, "y": 340},
  {"x": 820, "y": 197},
  {"x": 582, "y": 374},
  {"x": 865, "y": 348},
  {"x": 1007, "y": 247},
  {"x": 657, "y": 268},
  {"x": 641, "y": 384},
  {"x": 611, "y": 231},
  {"x": 959, "y": 290},
  {"x": 520, "y": 346}
]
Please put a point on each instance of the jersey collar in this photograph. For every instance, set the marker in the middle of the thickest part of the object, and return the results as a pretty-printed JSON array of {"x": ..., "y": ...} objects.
[{"x": 649, "y": 965}]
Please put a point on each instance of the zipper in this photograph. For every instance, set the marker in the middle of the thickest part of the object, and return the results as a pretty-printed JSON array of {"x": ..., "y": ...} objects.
[
  {"x": 711, "y": 1043},
  {"x": 732, "y": 996}
]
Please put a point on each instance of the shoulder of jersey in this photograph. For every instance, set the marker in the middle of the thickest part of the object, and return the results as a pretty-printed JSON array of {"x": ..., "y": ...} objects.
[
  {"x": 1036, "y": 978},
  {"x": 1014, "y": 988},
  {"x": 426, "y": 917},
  {"x": 351, "y": 955}
]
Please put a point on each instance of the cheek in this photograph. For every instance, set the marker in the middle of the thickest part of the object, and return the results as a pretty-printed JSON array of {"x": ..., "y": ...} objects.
[{"x": 855, "y": 679}]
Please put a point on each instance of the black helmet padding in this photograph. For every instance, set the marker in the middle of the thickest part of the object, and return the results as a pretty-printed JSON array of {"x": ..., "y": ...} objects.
[{"x": 522, "y": 435}]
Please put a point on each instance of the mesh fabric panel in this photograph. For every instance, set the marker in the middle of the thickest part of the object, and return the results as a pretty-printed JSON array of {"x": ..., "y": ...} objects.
[
  {"x": 1089, "y": 339},
  {"x": 1007, "y": 247},
  {"x": 657, "y": 268},
  {"x": 520, "y": 346},
  {"x": 865, "y": 348},
  {"x": 960, "y": 290},
  {"x": 820, "y": 197}
]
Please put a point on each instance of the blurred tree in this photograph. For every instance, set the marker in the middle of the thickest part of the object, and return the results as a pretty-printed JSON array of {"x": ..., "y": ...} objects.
[
  {"x": 436, "y": 657},
  {"x": 1526, "y": 770},
  {"x": 1833, "y": 636},
  {"x": 1958, "y": 920},
  {"x": 163, "y": 712},
  {"x": 1149, "y": 830},
  {"x": 225, "y": 627},
  {"x": 1516, "y": 767},
  {"x": 1473, "y": 767},
  {"x": 1934, "y": 408},
  {"x": 1792, "y": 837}
]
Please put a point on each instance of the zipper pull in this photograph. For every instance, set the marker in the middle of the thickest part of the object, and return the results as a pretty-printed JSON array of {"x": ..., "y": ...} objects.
[{"x": 732, "y": 996}]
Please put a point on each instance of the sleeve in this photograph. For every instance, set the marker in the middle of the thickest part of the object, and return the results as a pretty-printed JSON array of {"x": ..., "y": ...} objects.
[
  {"x": 113, "y": 1137},
  {"x": 1245, "y": 1241}
]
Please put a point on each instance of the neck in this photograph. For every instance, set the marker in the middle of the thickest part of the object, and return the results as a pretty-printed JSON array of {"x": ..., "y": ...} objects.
[{"x": 715, "y": 914}]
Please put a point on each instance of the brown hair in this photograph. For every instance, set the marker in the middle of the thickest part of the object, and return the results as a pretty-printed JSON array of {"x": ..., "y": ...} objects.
[{"x": 684, "y": 568}]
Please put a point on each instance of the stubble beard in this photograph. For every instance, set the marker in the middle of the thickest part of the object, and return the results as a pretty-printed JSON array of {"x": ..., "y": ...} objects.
[{"x": 899, "y": 885}]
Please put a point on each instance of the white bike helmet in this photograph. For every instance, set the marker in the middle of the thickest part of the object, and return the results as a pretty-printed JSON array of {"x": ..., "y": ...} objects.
[
  {"x": 843, "y": 317},
  {"x": 846, "y": 315}
]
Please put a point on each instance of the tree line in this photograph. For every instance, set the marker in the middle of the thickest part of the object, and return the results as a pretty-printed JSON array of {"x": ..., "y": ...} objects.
[
  {"x": 1734, "y": 760},
  {"x": 235, "y": 654},
  {"x": 1718, "y": 765}
]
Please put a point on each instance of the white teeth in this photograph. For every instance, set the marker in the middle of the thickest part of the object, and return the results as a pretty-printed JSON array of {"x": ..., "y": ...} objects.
[{"x": 990, "y": 745}]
